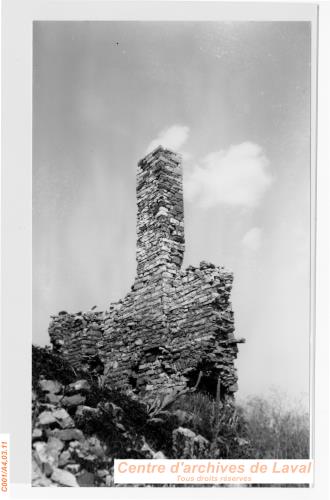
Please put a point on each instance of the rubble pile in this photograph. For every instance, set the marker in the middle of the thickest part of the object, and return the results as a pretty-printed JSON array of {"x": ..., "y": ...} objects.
[
  {"x": 79, "y": 429},
  {"x": 61, "y": 454}
]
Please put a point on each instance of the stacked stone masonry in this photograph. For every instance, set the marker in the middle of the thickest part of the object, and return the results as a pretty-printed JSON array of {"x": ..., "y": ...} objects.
[{"x": 174, "y": 324}]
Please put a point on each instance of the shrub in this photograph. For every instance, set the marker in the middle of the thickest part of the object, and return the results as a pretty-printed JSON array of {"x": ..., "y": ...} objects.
[
  {"x": 224, "y": 425},
  {"x": 277, "y": 427},
  {"x": 51, "y": 366}
]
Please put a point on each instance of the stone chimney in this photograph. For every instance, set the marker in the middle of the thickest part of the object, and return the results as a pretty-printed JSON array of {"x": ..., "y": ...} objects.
[
  {"x": 173, "y": 325},
  {"x": 160, "y": 228}
]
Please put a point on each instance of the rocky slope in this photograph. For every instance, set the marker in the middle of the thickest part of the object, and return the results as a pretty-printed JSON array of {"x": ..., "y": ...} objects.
[{"x": 79, "y": 427}]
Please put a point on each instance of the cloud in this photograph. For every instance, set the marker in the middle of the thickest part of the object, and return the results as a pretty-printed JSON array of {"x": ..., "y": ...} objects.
[
  {"x": 238, "y": 176},
  {"x": 252, "y": 239},
  {"x": 172, "y": 138}
]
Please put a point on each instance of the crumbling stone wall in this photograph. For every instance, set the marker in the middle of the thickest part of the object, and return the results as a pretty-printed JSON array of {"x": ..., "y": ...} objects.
[
  {"x": 75, "y": 336},
  {"x": 173, "y": 324}
]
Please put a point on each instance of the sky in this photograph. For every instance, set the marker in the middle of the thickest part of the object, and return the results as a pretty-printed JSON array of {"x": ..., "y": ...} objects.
[{"x": 234, "y": 100}]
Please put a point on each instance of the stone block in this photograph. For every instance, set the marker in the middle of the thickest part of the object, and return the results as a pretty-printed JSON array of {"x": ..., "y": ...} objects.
[{"x": 64, "y": 478}]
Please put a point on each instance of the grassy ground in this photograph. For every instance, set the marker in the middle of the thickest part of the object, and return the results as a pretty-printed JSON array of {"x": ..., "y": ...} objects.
[{"x": 266, "y": 427}]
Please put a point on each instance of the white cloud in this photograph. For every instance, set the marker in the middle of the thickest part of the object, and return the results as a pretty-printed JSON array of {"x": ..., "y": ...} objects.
[
  {"x": 252, "y": 239},
  {"x": 238, "y": 176},
  {"x": 172, "y": 138}
]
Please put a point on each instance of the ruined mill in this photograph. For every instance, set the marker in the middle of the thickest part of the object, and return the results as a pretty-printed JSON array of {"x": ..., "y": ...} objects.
[{"x": 175, "y": 328}]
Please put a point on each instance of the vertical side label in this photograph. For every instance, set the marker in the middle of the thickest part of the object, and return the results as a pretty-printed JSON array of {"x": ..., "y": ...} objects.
[{"x": 4, "y": 463}]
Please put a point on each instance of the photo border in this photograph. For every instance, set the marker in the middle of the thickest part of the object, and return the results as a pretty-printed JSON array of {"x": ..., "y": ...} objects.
[{"x": 18, "y": 16}]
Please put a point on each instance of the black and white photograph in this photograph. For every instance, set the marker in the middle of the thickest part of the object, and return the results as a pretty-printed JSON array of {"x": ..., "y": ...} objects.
[
  {"x": 164, "y": 250},
  {"x": 171, "y": 244}
]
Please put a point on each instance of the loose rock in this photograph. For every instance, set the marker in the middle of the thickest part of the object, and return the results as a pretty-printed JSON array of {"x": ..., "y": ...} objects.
[{"x": 64, "y": 478}]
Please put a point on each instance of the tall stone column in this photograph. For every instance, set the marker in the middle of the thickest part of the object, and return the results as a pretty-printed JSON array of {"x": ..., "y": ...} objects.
[{"x": 160, "y": 227}]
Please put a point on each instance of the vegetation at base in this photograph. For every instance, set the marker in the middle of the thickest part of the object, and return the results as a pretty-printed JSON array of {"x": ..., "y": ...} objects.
[
  {"x": 277, "y": 427},
  {"x": 224, "y": 426},
  {"x": 134, "y": 416},
  {"x": 257, "y": 428},
  {"x": 265, "y": 427},
  {"x": 47, "y": 364}
]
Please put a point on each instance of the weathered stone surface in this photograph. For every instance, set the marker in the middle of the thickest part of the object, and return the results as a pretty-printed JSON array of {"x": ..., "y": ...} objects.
[
  {"x": 40, "y": 454},
  {"x": 75, "y": 444},
  {"x": 47, "y": 454},
  {"x": 79, "y": 385},
  {"x": 63, "y": 418},
  {"x": 50, "y": 386},
  {"x": 38, "y": 478},
  {"x": 75, "y": 400},
  {"x": 86, "y": 479},
  {"x": 64, "y": 478},
  {"x": 46, "y": 418},
  {"x": 53, "y": 398},
  {"x": 54, "y": 446},
  {"x": 67, "y": 434},
  {"x": 183, "y": 442},
  {"x": 64, "y": 458},
  {"x": 109, "y": 480},
  {"x": 36, "y": 434},
  {"x": 201, "y": 447},
  {"x": 186, "y": 444}
]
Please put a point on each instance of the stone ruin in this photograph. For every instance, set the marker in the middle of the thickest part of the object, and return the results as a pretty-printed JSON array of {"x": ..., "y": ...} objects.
[{"x": 175, "y": 328}]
